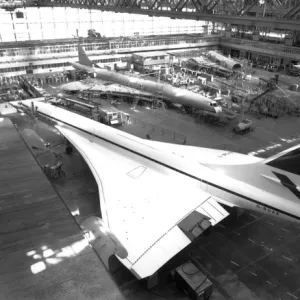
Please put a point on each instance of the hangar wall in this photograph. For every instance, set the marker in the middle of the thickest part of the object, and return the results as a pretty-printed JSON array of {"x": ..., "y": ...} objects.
[{"x": 60, "y": 22}]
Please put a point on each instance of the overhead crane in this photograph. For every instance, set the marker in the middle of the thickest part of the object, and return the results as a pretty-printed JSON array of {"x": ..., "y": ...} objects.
[
  {"x": 238, "y": 12},
  {"x": 284, "y": 16}
]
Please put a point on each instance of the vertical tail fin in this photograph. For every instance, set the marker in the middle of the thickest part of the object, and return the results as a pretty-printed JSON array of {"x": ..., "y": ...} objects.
[
  {"x": 288, "y": 160},
  {"x": 83, "y": 58}
]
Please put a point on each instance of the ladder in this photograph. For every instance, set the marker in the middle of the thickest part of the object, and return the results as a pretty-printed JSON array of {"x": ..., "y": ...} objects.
[
  {"x": 136, "y": 99},
  {"x": 109, "y": 96}
]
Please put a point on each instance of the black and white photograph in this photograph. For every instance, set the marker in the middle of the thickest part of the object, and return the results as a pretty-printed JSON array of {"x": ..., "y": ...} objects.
[{"x": 149, "y": 149}]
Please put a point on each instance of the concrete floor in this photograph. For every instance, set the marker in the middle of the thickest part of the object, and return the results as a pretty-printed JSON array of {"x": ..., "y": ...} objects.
[
  {"x": 258, "y": 257},
  {"x": 70, "y": 265},
  {"x": 247, "y": 257},
  {"x": 252, "y": 256},
  {"x": 43, "y": 252}
]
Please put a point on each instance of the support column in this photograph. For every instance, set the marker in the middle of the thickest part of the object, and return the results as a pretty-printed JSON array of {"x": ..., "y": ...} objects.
[
  {"x": 13, "y": 24},
  {"x": 228, "y": 30},
  {"x": 213, "y": 27},
  {"x": 42, "y": 31},
  {"x": 27, "y": 26}
]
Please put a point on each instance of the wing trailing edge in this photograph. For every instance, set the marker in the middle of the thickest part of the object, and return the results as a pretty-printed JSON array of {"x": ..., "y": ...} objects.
[{"x": 144, "y": 212}]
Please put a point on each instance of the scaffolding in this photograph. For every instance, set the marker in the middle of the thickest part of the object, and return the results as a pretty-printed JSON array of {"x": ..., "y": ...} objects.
[{"x": 157, "y": 102}]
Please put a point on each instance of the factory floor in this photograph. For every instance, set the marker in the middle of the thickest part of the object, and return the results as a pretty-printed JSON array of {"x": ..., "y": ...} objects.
[
  {"x": 247, "y": 257},
  {"x": 251, "y": 256},
  {"x": 259, "y": 257},
  {"x": 44, "y": 254},
  {"x": 43, "y": 251}
]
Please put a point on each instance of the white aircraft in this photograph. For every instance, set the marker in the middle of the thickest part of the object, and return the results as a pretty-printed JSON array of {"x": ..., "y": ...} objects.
[
  {"x": 173, "y": 94},
  {"x": 155, "y": 197}
]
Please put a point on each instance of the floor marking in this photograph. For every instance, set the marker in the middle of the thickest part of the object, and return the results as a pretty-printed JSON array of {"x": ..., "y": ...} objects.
[
  {"x": 253, "y": 273},
  {"x": 251, "y": 241},
  {"x": 287, "y": 258},
  {"x": 285, "y": 229},
  {"x": 270, "y": 249},
  {"x": 269, "y": 222},
  {"x": 292, "y": 295},
  {"x": 236, "y": 233},
  {"x": 234, "y": 263},
  {"x": 269, "y": 282},
  {"x": 222, "y": 225},
  {"x": 254, "y": 216}
]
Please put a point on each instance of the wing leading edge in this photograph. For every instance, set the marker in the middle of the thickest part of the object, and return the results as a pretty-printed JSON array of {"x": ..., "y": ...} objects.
[{"x": 142, "y": 202}]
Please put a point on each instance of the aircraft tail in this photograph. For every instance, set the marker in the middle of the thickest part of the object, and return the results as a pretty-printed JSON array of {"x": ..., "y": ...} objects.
[
  {"x": 285, "y": 167},
  {"x": 83, "y": 58},
  {"x": 288, "y": 160}
]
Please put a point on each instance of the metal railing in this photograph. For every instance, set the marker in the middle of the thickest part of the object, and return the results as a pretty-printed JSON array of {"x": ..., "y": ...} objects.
[{"x": 282, "y": 49}]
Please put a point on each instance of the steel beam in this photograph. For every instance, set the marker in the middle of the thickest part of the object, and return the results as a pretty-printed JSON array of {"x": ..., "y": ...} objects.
[
  {"x": 196, "y": 5},
  {"x": 111, "y": 5},
  {"x": 180, "y": 5},
  {"x": 211, "y": 5},
  {"x": 247, "y": 7},
  {"x": 293, "y": 11}
]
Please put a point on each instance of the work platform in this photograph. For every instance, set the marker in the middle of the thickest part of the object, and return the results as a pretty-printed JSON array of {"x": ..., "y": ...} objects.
[{"x": 43, "y": 252}]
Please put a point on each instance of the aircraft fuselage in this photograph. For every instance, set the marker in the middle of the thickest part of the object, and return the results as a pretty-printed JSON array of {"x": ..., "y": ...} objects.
[
  {"x": 174, "y": 94},
  {"x": 222, "y": 187}
]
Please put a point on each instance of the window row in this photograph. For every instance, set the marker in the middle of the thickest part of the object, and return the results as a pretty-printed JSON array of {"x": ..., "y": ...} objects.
[
  {"x": 101, "y": 46},
  {"x": 106, "y": 60},
  {"x": 56, "y": 65}
]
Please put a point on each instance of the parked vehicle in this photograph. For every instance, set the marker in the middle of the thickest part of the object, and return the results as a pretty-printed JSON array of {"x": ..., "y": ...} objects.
[{"x": 243, "y": 127}]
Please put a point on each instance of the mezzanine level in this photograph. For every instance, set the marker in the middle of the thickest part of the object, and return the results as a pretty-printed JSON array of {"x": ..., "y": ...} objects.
[
  {"x": 41, "y": 57},
  {"x": 262, "y": 47}
]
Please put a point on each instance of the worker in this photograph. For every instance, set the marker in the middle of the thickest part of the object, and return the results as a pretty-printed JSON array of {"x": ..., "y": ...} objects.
[
  {"x": 174, "y": 79},
  {"x": 188, "y": 81}
]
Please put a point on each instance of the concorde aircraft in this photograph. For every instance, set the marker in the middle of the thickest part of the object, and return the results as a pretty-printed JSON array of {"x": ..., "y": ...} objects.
[
  {"x": 155, "y": 197},
  {"x": 173, "y": 94},
  {"x": 224, "y": 61}
]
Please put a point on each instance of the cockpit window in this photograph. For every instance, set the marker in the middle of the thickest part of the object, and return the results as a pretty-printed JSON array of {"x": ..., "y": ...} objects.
[{"x": 289, "y": 162}]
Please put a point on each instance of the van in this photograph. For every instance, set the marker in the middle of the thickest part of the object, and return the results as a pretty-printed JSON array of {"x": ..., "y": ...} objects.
[{"x": 109, "y": 116}]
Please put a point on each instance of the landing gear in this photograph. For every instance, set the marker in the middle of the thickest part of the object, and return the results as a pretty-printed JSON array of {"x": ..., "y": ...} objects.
[{"x": 69, "y": 150}]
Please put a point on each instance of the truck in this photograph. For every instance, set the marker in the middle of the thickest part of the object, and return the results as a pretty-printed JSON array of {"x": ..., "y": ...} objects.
[
  {"x": 109, "y": 115},
  {"x": 293, "y": 71},
  {"x": 243, "y": 127}
]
